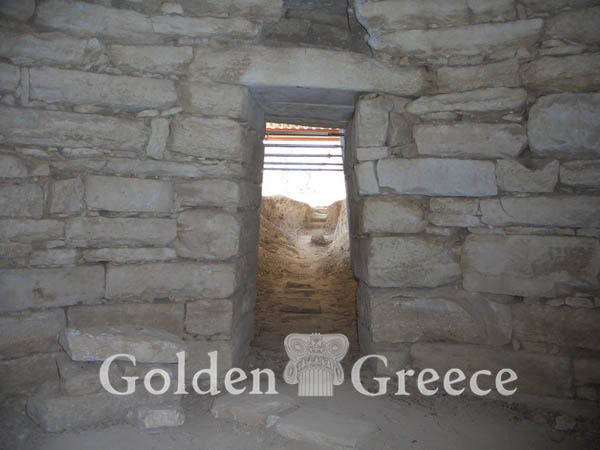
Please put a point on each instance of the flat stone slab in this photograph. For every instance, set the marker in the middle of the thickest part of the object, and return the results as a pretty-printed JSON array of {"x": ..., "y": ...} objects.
[
  {"x": 251, "y": 409},
  {"x": 150, "y": 417},
  {"x": 324, "y": 428},
  {"x": 148, "y": 345}
]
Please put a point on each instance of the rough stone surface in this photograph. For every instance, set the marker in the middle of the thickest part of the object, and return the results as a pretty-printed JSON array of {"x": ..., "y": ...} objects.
[
  {"x": 23, "y": 374},
  {"x": 454, "y": 212},
  {"x": 470, "y": 140},
  {"x": 160, "y": 316},
  {"x": 150, "y": 58},
  {"x": 450, "y": 177},
  {"x": 512, "y": 176},
  {"x": 27, "y": 230},
  {"x": 393, "y": 215},
  {"x": 12, "y": 167},
  {"x": 84, "y": 88},
  {"x": 493, "y": 75},
  {"x": 106, "y": 232},
  {"x": 43, "y": 48},
  {"x": 251, "y": 409},
  {"x": 565, "y": 126},
  {"x": 408, "y": 261},
  {"x": 80, "y": 378},
  {"x": 158, "y": 138},
  {"x": 477, "y": 101},
  {"x": 21, "y": 10},
  {"x": 25, "y": 333},
  {"x": 224, "y": 193},
  {"x": 129, "y": 255},
  {"x": 128, "y": 194},
  {"x": 578, "y": 26},
  {"x": 509, "y": 264},
  {"x": 563, "y": 74},
  {"x": 150, "y": 417},
  {"x": 179, "y": 280},
  {"x": 25, "y": 200},
  {"x": 66, "y": 196},
  {"x": 580, "y": 173},
  {"x": 366, "y": 180},
  {"x": 54, "y": 257},
  {"x": 43, "y": 288},
  {"x": 371, "y": 120},
  {"x": 10, "y": 77},
  {"x": 208, "y": 234},
  {"x": 147, "y": 345},
  {"x": 216, "y": 99},
  {"x": 209, "y": 317}
]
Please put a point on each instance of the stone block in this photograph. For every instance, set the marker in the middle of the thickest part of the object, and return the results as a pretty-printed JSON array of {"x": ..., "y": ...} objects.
[
  {"x": 160, "y": 316},
  {"x": 393, "y": 215},
  {"x": 450, "y": 177},
  {"x": 129, "y": 255},
  {"x": 158, "y": 138},
  {"x": 66, "y": 196},
  {"x": 408, "y": 261},
  {"x": 558, "y": 211},
  {"x": 35, "y": 332},
  {"x": 54, "y": 257},
  {"x": 268, "y": 66},
  {"x": 172, "y": 280},
  {"x": 263, "y": 9},
  {"x": 216, "y": 99},
  {"x": 209, "y": 317},
  {"x": 208, "y": 234},
  {"x": 45, "y": 288},
  {"x": 147, "y": 345},
  {"x": 580, "y": 173},
  {"x": 371, "y": 120},
  {"x": 546, "y": 6},
  {"x": 468, "y": 40},
  {"x": 492, "y": 10},
  {"x": 366, "y": 180},
  {"x": 23, "y": 374},
  {"x": 12, "y": 167},
  {"x": 564, "y": 326},
  {"x": 454, "y": 212},
  {"x": 477, "y": 101},
  {"x": 21, "y": 10},
  {"x": 10, "y": 77},
  {"x": 471, "y": 140},
  {"x": 107, "y": 232},
  {"x": 160, "y": 416},
  {"x": 63, "y": 129},
  {"x": 27, "y": 230},
  {"x": 164, "y": 60},
  {"x": 116, "y": 91},
  {"x": 544, "y": 266},
  {"x": 197, "y": 357},
  {"x": 80, "y": 378},
  {"x": 128, "y": 194},
  {"x": 204, "y": 27},
  {"x": 44, "y": 48},
  {"x": 371, "y": 153},
  {"x": 538, "y": 373},
  {"x": 565, "y": 126},
  {"x": 573, "y": 73},
  {"x": 214, "y": 192},
  {"x": 21, "y": 200},
  {"x": 512, "y": 176},
  {"x": 251, "y": 409},
  {"x": 493, "y": 75},
  {"x": 578, "y": 26}
]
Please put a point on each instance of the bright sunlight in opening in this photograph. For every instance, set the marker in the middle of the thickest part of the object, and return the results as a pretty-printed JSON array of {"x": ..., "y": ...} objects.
[{"x": 304, "y": 163}]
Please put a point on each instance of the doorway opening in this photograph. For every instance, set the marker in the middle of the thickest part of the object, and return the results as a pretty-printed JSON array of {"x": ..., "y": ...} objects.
[{"x": 305, "y": 282}]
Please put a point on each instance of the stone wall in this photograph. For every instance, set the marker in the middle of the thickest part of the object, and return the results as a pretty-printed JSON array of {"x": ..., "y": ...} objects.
[
  {"x": 131, "y": 156},
  {"x": 476, "y": 208}
]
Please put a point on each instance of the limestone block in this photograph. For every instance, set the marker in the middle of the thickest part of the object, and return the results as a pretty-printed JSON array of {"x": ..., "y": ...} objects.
[
  {"x": 573, "y": 73},
  {"x": 366, "y": 181},
  {"x": 512, "y": 176},
  {"x": 106, "y": 232},
  {"x": 557, "y": 211},
  {"x": 204, "y": 27},
  {"x": 147, "y": 345},
  {"x": 21, "y": 10},
  {"x": 465, "y": 40},
  {"x": 251, "y": 409},
  {"x": 12, "y": 167},
  {"x": 579, "y": 26},
  {"x": 44, "y": 288},
  {"x": 173, "y": 280},
  {"x": 150, "y": 58},
  {"x": 263, "y": 9},
  {"x": 446, "y": 314},
  {"x": 160, "y": 316},
  {"x": 393, "y": 215},
  {"x": 454, "y": 212},
  {"x": 477, "y": 101},
  {"x": 62, "y": 129},
  {"x": 371, "y": 120},
  {"x": 25, "y": 373},
  {"x": 129, "y": 255},
  {"x": 371, "y": 153},
  {"x": 450, "y": 177},
  {"x": 214, "y": 192},
  {"x": 545, "y": 266},
  {"x": 150, "y": 417},
  {"x": 43, "y": 48},
  {"x": 27, "y": 230},
  {"x": 208, "y": 138},
  {"x": 10, "y": 77},
  {"x": 209, "y": 317},
  {"x": 158, "y": 138},
  {"x": 54, "y": 257},
  {"x": 66, "y": 196},
  {"x": 492, "y": 10},
  {"x": 408, "y": 261},
  {"x": 35, "y": 332},
  {"x": 545, "y": 6},
  {"x": 580, "y": 173},
  {"x": 24, "y": 200},
  {"x": 538, "y": 373},
  {"x": 493, "y": 75},
  {"x": 208, "y": 234},
  {"x": 471, "y": 140},
  {"x": 216, "y": 99},
  {"x": 80, "y": 378},
  {"x": 563, "y": 326},
  {"x": 83, "y": 88},
  {"x": 565, "y": 126},
  {"x": 269, "y": 66},
  {"x": 128, "y": 194}
]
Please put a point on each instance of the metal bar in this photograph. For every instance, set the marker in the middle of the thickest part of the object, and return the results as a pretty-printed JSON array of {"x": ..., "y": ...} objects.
[
  {"x": 303, "y": 133},
  {"x": 302, "y": 155},
  {"x": 286, "y": 163},
  {"x": 308, "y": 169},
  {"x": 302, "y": 146}
]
